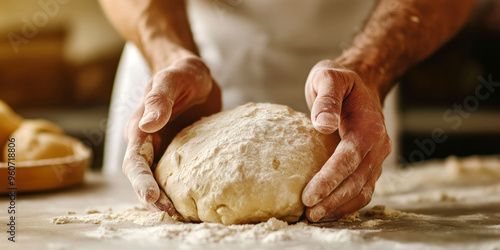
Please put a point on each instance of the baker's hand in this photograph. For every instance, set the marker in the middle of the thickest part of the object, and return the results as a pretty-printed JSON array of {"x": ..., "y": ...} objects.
[
  {"x": 181, "y": 92},
  {"x": 339, "y": 99}
]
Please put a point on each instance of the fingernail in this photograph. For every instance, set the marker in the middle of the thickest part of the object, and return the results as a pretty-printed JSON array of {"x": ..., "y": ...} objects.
[
  {"x": 326, "y": 119},
  {"x": 318, "y": 213},
  {"x": 170, "y": 210},
  {"x": 313, "y": 200},
  {"x": 149, "y": 195},
  {"x": 149, "y": 117}
]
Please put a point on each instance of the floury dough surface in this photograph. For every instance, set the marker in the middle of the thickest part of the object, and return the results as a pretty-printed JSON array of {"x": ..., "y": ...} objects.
[{"x": 244, "y": 165}]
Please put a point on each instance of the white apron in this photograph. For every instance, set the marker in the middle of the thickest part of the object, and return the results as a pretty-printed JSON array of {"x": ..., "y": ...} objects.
[{"x": 257, "y": 50}]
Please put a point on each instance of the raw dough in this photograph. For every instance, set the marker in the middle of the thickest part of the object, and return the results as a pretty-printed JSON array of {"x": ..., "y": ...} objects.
[
  {"x": 41, "y": 139},
  {"x": 9, "y": 121},
  {"x": 244, "y": 165}
]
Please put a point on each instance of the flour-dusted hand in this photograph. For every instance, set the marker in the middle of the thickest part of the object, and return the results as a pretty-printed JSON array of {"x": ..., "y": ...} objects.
[
  {"x": 185, "y": 83},
  {"x": 182, "y": 89},
  {"x": 177, "y": 96},
  {"x": 339, "y": 99},
  {"x": 346, "y": 94}
]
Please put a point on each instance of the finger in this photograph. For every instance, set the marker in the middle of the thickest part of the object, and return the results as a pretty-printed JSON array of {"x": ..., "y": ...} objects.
[
  {"x": 339, "y": 166},
  {"x": 158, "y": 103},
  {"x": 331, "y": 86},
  {"x": 137, "y": 167},
  {"x": 351, "y": 186},
  {"x": 358, "y": 202},
  {"x": 358, "y": 139},
  {"x": 164, "y": 204}
]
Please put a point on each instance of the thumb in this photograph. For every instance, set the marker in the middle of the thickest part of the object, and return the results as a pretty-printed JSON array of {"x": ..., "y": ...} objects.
[
  {"x": 158, "y": 105},
  {"x": 326, "y": 108}
]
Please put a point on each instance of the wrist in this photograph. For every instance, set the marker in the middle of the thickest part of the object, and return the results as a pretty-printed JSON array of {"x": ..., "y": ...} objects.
[
  {"x": 192, "y": 62},
  {"x": 375, "y": 75},
  {"x": 163, "y": 54}
]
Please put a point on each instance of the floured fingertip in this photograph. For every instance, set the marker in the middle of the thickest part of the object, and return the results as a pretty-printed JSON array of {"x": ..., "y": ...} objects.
[{"x": 326, "y": 123}]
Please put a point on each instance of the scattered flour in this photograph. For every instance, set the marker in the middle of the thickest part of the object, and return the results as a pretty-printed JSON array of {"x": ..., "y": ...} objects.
[
  {"x": 136, "y": 216},
  {"x": 433, "y": 184},
  {"x": 158, "y": 225},
  {"x": 439, "y": 174},
  {"x": 350, "y": 217},
  {"x": 371, "y": 223},
  {"x": 92, "y": 211},
  {"x": 381, "y": 211},
  {"x": 472, "y": 180}
]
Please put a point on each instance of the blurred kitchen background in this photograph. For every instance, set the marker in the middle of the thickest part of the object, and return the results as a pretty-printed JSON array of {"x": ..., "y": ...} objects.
[
  {"x": 58, "y": 62},
  {"x": 62, "y": 64},
  {"x": 447, "y": 81}
]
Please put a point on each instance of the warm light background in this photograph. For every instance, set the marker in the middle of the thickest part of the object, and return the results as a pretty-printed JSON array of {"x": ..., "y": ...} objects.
[{"x": 63, "y": 69}]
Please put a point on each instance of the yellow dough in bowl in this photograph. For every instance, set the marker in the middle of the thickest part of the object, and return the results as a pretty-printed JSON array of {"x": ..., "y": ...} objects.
[
  {"x": 9, "y": 121},
  {"x": 39, "y": 140}
]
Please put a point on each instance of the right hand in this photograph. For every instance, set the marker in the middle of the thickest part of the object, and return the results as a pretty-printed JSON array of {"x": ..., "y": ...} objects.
[
  {"x": 184, "y": 91},
  {"x": 340, "y": 99}
]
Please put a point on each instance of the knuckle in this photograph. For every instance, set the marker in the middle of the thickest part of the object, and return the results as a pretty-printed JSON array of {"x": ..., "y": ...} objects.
[
  {"x": 197, "y": 63},
  {"x": 185, "y": 69},
  {"x": 378, "y": 173},
  {"x": 387, "y": 146},
  {"x": 339, "y": 212},
  {"x": 324, "y": 63},
  {"x": 335, "y": 76},
  {"x": 328, "y": 185},
  {"x": 143, "y": 173},
  {"x": 327, "y": 104},
  {"x": 357, "y": 187},
  {"x": 367, "y": 200},
  {"x": 333, "y": 203},
  {"x": 376, "y": 133},
  {"x": 126, "y": 161},
  {"x": 379, "y": 130},
  {"x": 340, "y": 197},
  {"x": 347, "y": 167},
  {"x": 128, "y": 127},
  {"x": 169, "y": 74},
  {"x": 154, "y": 98},
  {"x": 329, "y": 99},
  {"x": 125, "y": 167},
  {"x": 343, "y": 171},
  {"x": 328, "y": 74},
  {"x": 343, "y": 196},
  {"x": 367, "y": 193}
]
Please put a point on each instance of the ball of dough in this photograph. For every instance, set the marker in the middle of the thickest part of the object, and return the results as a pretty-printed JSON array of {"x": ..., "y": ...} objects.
[
  {"x": 39, "y": 140},
  {"x": 9, "y": 121},
  {"x": 244, "y": 165}
]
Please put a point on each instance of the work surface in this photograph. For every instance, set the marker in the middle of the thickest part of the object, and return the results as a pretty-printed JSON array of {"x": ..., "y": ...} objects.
[{"x": 452, "y": 204}]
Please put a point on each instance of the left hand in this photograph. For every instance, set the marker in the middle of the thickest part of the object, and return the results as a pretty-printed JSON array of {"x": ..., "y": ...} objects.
[
  {"x": 339, "y": 99},
  {"x": 177, "y": 96}
]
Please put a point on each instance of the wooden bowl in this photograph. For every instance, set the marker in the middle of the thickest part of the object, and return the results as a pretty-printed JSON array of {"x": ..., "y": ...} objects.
[{"x": 47, "y": 174}]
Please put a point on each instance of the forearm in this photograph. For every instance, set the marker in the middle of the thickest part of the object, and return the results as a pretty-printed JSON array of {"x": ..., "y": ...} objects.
[
  {"x": 159, "y": 28},
  {"x": 400, "y": 34}
]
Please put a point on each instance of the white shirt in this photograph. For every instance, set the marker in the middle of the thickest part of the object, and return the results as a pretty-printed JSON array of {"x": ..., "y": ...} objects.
[{"x": 262, "y": 51}]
